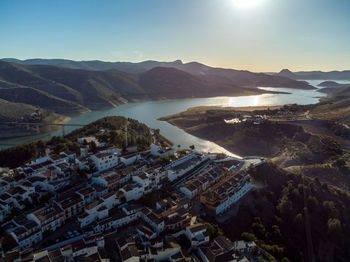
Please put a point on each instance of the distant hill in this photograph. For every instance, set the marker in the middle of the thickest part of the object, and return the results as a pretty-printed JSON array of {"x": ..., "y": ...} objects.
[
  {"x": 217, "y": 75},
  {"x": 246, "y": 78},
  {"x": 287, "y": 73},
  {"x": 336, "y": 106},
  {"x": 14, "y": 111},
  {"x": 65, "y": 90},
  {"x": 315, "y": 75},
  {"x": 96, "y": 65},
  {"x": 163, "y": 82},
  {"x": 329, "y": 84}
]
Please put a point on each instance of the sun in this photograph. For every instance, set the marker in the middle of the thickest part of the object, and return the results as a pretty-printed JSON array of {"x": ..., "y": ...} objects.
[{"x": 246, "y": 4}]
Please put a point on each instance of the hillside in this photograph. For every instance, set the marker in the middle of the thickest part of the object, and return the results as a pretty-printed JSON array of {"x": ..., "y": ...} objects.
[
  {"x": 315, "y": 75},
  {"x": 18, "y": 112},
  {"x": 287, "y": 73},
  {"x": 336, "y": 106},
  {"x": 293, "y": 145},
  {"x": 246, "y": 78},
  {"x": 217, "y": 75},
  {"x": 14, "y": 111},
  {"x": 330, "y": 84},
  {"x": 67, "y": 91},
  {"x": 113, "y": 135},
  {"x": 295, "y": 217},
  {"x": 95, "y": 65},
  {"x": 246, "y": 138},
  {"x": 163, "y": 82}
]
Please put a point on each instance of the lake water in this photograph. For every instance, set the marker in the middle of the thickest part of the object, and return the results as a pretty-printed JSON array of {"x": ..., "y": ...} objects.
[{"x": 149, "y": 112}]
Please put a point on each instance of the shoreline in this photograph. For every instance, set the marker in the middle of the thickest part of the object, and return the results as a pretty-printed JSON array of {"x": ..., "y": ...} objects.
[
  {"x": 65, "y": 118},
  {"x": 57, "y": 119},
  {"x": 203, "y": 109}
]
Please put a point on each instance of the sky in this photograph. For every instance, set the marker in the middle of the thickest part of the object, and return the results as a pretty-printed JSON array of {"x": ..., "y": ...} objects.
[{"x": 258, "y": 35}]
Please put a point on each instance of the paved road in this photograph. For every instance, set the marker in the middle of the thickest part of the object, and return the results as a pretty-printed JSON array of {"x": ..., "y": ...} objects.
[{"x": 247, "y": 162}]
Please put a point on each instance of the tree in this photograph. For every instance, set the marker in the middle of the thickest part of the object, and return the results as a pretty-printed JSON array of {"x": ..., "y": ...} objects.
[
  {"x": 74, "y": 147},
  {"x": 213, "y": 230},
  {"x": 276, "y": 231},
  {"x": 298, "y": 219},
  {"x": 330, "y": 209},
  {"x": 312, "y": 203},
  {"x": 15, "y": 156},
  {"x": 259, "y": 229},
  {"x": 285, "y": 259},
  {"x": 60, "y": 148},
  {"x": 340, "y": 164},
  {"x": 184, "y": 242},
  {"x": 41, "y": 144},
  {"x": 284, "y": 206},
  {"x": 164, "y": 160},
  {"x": 93, "y": 147},
  {"x": 192, "y": 147},
  {"x": 334, "y": 226},
  {"x": 92, "y": 167},
  {"x": 248, "y": 236}
]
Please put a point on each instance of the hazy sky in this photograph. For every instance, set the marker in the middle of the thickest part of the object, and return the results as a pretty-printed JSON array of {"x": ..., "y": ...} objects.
[{"x": 265, "y": 35}]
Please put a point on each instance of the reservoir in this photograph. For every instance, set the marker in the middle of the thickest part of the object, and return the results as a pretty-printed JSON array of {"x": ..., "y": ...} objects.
[{"x": 149, "y": 112}]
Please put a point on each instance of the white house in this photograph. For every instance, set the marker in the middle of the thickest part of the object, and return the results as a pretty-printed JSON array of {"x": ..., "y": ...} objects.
[
  {"x": 94, "y": 211},
  {"x": 4, "y": 186},
  {"x": 26, "y": 238},
  {"x": 110, "y": 200},
  {"x": 158, "y": 150},
  {"x": 88, "y": 194},
  {"x": 183, "y": 165},
  {"x": 49, "y": 218},
  {"x": 89, "y": 139},
  {"x": 129, "y": 159},
  {"x": 131, "y": 192},
  {"x": 104, "y": 160},
  {"x": 197, "y": 234},
  {"x": 5, "y": 209},
  {"x": 189, "y": 190},
  {"x": 143, "y": 179},
  {"x": 230, "y": 200},
  {"x": 155, "y": 221}
]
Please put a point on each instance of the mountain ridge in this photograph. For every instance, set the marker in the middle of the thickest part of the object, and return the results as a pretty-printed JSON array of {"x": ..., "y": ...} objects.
[
  {"x": 315, "y": 75},
  {"x": 215, "y": 74},
  {"x": 65, "y": 90}
]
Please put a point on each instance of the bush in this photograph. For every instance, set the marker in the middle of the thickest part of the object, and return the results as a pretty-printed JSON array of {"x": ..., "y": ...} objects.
[{"x": 213, "y": 230}]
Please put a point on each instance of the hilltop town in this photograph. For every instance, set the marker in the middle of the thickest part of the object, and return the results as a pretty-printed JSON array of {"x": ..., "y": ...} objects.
[{"x": 108, "y": 202}]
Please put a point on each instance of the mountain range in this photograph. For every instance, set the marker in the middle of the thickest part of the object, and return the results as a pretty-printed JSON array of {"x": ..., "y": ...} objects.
[
  {"x": 66, "y": 86},
  {"x": 315, "y": 75}
]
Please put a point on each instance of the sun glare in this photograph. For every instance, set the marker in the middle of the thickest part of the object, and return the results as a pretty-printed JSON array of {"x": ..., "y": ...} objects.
[{"x": 246, "y": 4}]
